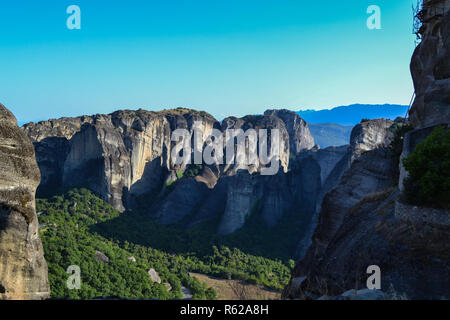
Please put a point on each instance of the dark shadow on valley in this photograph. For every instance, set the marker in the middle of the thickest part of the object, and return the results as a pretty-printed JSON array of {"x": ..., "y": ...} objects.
[{"x": 255, "y": 238}]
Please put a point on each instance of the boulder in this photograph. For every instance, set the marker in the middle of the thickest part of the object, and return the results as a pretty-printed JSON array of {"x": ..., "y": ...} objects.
[
  {"x": 154, "y": 276},
  {"x": 100, "y": 256}
]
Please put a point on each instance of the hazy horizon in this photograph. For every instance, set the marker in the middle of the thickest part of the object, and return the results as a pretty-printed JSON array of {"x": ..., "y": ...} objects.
[{"x": 21, "y": 123}]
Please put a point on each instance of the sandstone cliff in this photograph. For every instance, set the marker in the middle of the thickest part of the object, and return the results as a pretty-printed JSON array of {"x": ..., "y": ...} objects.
[{"x": 23, "y": 270}]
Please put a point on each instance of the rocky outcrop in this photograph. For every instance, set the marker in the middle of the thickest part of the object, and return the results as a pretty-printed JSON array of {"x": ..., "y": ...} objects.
[
  {"x": 410, "y": 141},
  {"x": 335, "y": 161},
  {"x": 240, "y": 199},
  {"x": 362, "y": 222},
  {"x": 23, "y": 270},
  {"x": 370, "y": 170},
  {"x": 371, "y": 134},
  {"x": 126, "y": 155},
  {"x": 332, "y": 163},
  {"x": 413, "y": 258},
  {"x": 125, "y": 158},
  {"x": 101, "y": 257},
  {"x": 154, "y": 276},
  {"x": 118, "y": 156},
  {"x": 299, "y": 136},
  {"x": 271, "y": 197},
  {"x": 234, "y": 198},
  {"x": 430, "y": 67},
  {"x": 368, "y": 174},
  {"x": 186, "y": 197},
  {"x": 256, "y": 123}
]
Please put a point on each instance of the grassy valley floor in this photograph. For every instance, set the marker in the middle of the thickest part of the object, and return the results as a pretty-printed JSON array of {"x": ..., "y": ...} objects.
[{"x": 236, "y": 290}]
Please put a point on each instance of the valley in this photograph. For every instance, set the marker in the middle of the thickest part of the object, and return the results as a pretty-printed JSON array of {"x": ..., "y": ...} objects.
[{"x": 72, "y": 233}]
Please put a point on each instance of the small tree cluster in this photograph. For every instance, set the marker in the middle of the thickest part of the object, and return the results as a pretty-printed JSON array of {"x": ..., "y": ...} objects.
[{"x": 428, "y": 183}]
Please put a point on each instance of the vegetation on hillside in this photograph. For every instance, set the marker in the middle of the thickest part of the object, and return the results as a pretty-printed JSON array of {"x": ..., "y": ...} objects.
[
  {"x": 77, "y": 225},
  {"x": 428, "y": 183},
  {"x": 399, "y": 130}
]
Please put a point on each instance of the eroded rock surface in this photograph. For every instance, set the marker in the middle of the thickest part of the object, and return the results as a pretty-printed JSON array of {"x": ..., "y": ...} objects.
[
  {"x": 430, "y": 67},
  {"x": 299, "y": 136},
  {"x": 118, "y": 156},
  {"x": 23, "y": 270},
  {"x": 359, "y": 226}
]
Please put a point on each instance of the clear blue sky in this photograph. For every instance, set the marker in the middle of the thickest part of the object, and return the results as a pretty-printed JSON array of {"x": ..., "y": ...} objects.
[{"x": 232, "y": 57}]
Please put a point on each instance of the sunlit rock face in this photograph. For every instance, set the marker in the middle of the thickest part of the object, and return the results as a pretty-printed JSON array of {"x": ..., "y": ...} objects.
[
  {"x": 23, "y": 270},
  {"x": 125, "y": 157},
  {"x": 118, "y": 156},
  {"x": 268, "y": 122},
  {"x": 300, "y": 138},
  {"x": 430, "y": 67},
  {"x": 372, "y": 134},
  {"x": 128, "y": 153}
]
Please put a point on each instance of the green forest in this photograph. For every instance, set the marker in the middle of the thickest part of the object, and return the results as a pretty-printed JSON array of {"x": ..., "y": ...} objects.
[{"x": 77, "y": 226}]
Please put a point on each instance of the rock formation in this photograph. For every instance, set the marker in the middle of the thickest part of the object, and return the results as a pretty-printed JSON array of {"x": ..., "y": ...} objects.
[
  {"x": 23, "y": 270},
  {"x": 369, "y": 135},
  {"x": 431, "y": 77},
  {"x": 430, "y": 67},
  {"x": 363, "y": 221},
  {"x": 335, "y": 161},
  {"x": 299, "y": 136},
  {"x": 357, "y": 228},
  {"x": 125, "y": 152},
  {"x": 125, "y": 158}
]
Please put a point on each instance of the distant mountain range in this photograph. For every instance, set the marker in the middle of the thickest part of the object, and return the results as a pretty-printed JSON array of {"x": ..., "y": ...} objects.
[
  {"x": 330, "y": 134},
  {"x": 353, "y": 114},
  {"x": 332, "y": 127}
]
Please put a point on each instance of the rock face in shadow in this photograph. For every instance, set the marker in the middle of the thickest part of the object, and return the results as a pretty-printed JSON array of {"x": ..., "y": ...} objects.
[
  {"x": 413, "y": 257},
  {"x": 358, "y": 226},
  {"x": 430, "y": 67},
  {"x": 271, "y": 197},
  {"x": 332, "y": 163},
  {"x": 335, "y": 161},
  {"x": 368, "y": 174},
  {"x": 23, "y": 270},
  {"x": 362, "y": 221}
]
